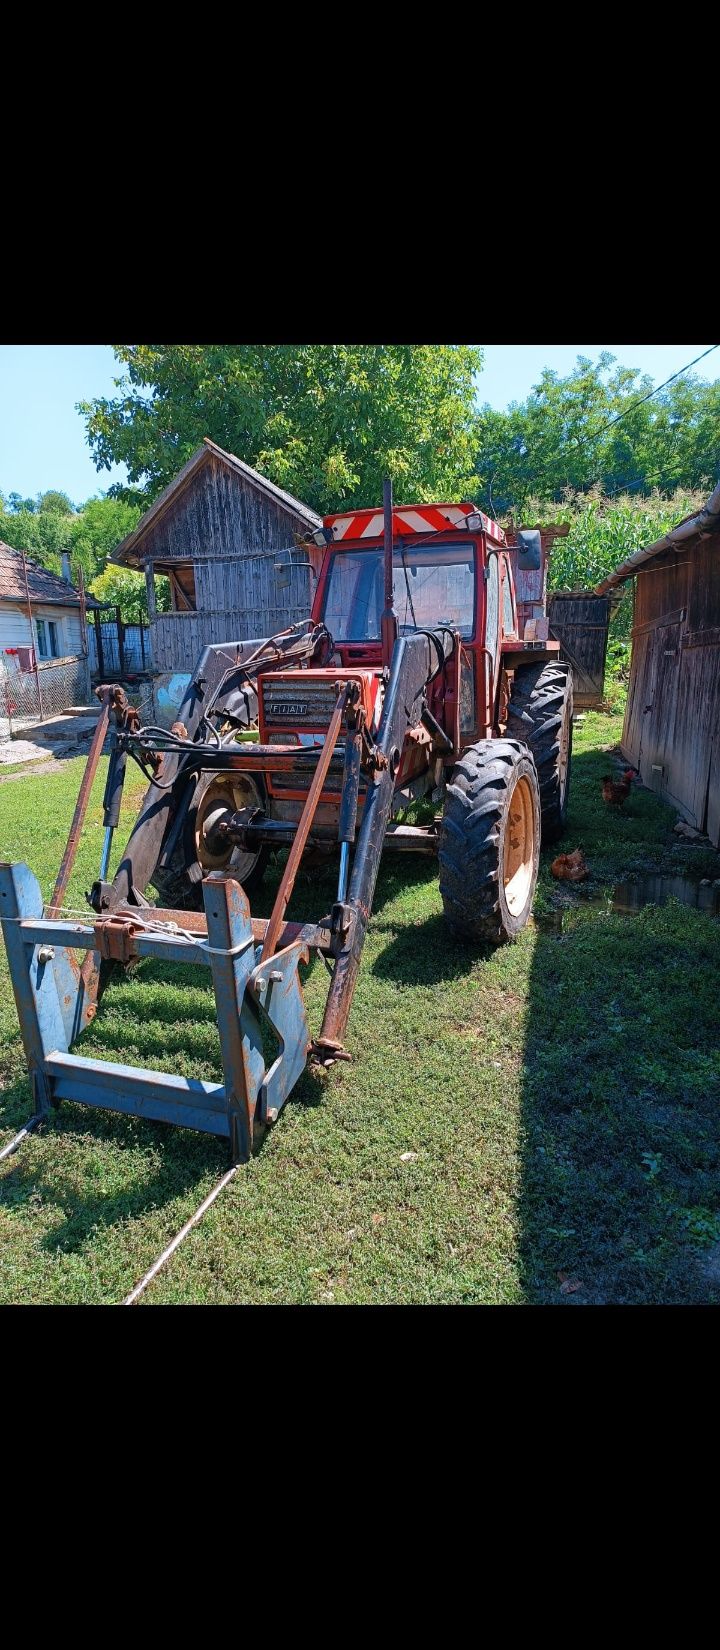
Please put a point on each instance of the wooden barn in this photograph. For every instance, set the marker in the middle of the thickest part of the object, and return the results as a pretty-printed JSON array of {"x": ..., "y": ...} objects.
[
  {"x": 672, "y": 720},
  {"x": 226, "y": 538}
]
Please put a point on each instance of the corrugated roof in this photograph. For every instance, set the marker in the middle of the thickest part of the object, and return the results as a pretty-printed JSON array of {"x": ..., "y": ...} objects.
[
  {"x": 127, "y": 553},
  {"x": 705, "y": 522},
  {"x": 44, "y": 587}
]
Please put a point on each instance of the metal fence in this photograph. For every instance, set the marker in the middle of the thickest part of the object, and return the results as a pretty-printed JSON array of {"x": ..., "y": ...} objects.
[
  {"x": 117, "y": 649},
  {"x": 26, "y": 698}
]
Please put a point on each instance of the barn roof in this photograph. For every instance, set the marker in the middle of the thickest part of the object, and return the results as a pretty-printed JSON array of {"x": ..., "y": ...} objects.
[
  {"x": 706, "y": 521},
  {"x": 129, "y": 553},
  {"x": 46, "y": 588}
]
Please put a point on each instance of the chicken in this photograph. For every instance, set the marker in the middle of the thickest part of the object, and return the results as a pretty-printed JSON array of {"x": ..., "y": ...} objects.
[
  {"x": 616, "y": 791},
  {"x": 570, "y": 867}
]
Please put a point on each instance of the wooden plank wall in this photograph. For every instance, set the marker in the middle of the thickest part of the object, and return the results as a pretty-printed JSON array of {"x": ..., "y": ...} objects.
[
  {"x": 673, "y": 710},
  {"x": 178, "y": 639},
  {"x": 217, "y": 524},
  {"x": 220, "y": 514}
]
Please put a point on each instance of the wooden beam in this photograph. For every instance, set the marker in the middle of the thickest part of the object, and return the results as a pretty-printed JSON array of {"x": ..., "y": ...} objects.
[
  {"x": 150, "y": 587},
  {"x": 676, "y": 617}
]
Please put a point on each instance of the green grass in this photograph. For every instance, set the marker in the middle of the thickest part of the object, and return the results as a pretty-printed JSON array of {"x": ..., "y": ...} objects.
[{"x": 559, "y": 1098}]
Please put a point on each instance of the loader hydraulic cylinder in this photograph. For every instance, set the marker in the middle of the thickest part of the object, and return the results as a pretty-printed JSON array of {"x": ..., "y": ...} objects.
[{"x": 414, "y": 662}]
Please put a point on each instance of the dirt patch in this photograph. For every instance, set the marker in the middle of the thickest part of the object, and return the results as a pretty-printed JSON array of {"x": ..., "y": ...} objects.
[{"x": 32, "y": 768}]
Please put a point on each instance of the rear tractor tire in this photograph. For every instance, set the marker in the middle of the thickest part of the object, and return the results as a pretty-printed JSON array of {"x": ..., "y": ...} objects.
[
  {"x": 540, "y": 713},
  {"x": 490, "y": 841}
]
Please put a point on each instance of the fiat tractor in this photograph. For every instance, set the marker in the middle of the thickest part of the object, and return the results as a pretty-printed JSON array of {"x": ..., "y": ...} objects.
[{"x": 423, "y": 676}]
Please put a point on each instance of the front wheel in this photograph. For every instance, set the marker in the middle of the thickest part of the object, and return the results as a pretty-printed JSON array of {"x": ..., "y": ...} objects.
[
  {"x": 490, "y": 841},
  {"x": 201, "y": 850}
]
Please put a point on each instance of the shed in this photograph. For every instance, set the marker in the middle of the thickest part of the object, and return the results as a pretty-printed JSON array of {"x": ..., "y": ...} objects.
[
  {"x": 217, "y": 532},
  {"x": 43, "y": 646},
  {"x": 672, "y": 719}
]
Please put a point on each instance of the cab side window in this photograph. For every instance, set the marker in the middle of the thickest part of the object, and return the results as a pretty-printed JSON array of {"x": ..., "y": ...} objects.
[
  {"x": 508, "y": 620},
  {"x": 492, "y": 595}
]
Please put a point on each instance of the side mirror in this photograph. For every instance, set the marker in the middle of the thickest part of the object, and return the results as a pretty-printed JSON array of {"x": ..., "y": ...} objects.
[{"x": 529, "y": 550}]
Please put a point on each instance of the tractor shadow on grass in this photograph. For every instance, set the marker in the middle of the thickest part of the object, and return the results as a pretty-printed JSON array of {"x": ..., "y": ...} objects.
[
  {"x": 621, "y": 1081},
  {"x": 315, "y": 888},
  {"x": 619, "y": 1109},
  {"x": 424, "y": 953}
]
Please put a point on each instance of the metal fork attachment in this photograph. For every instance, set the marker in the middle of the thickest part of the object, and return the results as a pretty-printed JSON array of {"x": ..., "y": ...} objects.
[{"x": 254, "y": 964}]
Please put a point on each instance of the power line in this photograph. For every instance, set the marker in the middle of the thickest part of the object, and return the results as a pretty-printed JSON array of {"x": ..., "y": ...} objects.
[
  {"x": 648, "y": 397},
  {"x": 638, "y": 402}
]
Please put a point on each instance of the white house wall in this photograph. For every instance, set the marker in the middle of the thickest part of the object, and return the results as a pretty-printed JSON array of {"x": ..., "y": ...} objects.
[{"x": 15, "y": 627}]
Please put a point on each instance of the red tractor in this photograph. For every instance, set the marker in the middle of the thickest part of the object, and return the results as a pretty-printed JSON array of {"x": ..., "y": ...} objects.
[
  {"x": 424, "y": 676},
  {"x": 486, "y": 742}
]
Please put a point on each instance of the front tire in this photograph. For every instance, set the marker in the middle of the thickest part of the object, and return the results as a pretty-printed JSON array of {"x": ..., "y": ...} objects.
[
  {"x": 179, "y": 885},
  {"x": 540, "y": 714},
  {"x": 490, "y": 841}
]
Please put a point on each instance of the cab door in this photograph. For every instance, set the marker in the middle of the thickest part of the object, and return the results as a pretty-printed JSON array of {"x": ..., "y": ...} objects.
[{"x": 490, "y": 657}]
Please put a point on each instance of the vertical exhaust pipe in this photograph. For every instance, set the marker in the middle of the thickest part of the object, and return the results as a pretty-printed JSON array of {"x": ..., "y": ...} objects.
[{"x": 388, "y": 622}]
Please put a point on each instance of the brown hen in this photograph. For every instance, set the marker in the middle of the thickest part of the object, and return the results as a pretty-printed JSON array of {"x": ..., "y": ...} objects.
[{"x": 616, "y": 791}]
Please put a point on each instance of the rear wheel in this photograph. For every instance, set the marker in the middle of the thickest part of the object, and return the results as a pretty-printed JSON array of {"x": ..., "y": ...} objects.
[
  {"x": 540, "y": 713},
  {"x": 490, "y": 841}
]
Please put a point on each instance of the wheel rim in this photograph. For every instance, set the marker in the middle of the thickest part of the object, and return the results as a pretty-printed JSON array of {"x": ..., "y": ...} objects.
[
  {"x": 224, "y": 795},
  {"x": 519, "y": 848}
]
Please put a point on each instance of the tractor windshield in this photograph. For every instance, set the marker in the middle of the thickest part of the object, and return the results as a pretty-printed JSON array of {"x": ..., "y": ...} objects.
[{"x": 432, "y": 584}]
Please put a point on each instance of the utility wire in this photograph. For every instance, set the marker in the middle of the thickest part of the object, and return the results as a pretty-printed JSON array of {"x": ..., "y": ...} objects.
[
  {"x": 584, "y": 441},
  {"x": 648, "y": 397}
]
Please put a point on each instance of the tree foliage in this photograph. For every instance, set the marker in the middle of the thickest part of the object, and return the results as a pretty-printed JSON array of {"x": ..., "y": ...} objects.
[
  {"x": 591, "y": 428},
  {"x": 325, "y": 421},
  {"x": 53, "y": 525},
  {"x": 121, "y": 587},
  {"x": 97, "y": 531},
  {"x": 44, "y": 535},
  {"x": 603, "y": 533}
]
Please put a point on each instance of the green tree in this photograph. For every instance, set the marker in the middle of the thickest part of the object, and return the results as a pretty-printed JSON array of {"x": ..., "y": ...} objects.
[
  {"x": 596, "y": 427},
  {"x": 89, "y": 535},
  {"x": 97, "y": 531},
  {"x": 43, "y": 535},
  {"x": 15, "y": 502},
  {"x": 326, "y": 421},
  {"x": 603, "y": 533},
  {"x": 123, "y": 588},
  {"x": 54, "y": 504}
]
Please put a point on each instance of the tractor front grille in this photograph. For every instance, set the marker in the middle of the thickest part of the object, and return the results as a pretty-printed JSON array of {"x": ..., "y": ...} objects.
[
  {"x": 297, "y": 704},
  {"x": 298, "y": 707}
]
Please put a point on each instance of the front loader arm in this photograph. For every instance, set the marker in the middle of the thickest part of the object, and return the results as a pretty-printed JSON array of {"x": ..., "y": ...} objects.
[
  {"x": 414, "y": 662},
  {"x": 222, "y": 682}
]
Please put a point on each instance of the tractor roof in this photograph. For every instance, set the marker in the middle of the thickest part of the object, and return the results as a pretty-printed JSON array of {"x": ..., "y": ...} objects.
[{"x": 412, "y": 518}]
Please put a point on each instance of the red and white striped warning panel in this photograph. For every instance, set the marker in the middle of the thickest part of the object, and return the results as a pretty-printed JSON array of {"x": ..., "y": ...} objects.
[{"x": 410, "y": 518}]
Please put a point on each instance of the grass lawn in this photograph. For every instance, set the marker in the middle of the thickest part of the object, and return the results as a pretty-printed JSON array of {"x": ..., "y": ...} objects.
[{"x": 558, "y": 1099}]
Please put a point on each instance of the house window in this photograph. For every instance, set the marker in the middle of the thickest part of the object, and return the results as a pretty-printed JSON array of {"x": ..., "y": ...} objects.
[{"x": 47, "y": 635}]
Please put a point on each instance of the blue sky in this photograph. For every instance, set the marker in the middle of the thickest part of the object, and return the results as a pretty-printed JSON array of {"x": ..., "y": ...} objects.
[{"x": 42, "y": 437}]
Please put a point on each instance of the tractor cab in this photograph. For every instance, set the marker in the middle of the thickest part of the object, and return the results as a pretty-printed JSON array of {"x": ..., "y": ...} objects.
[{"x": 451, "y": 571}]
